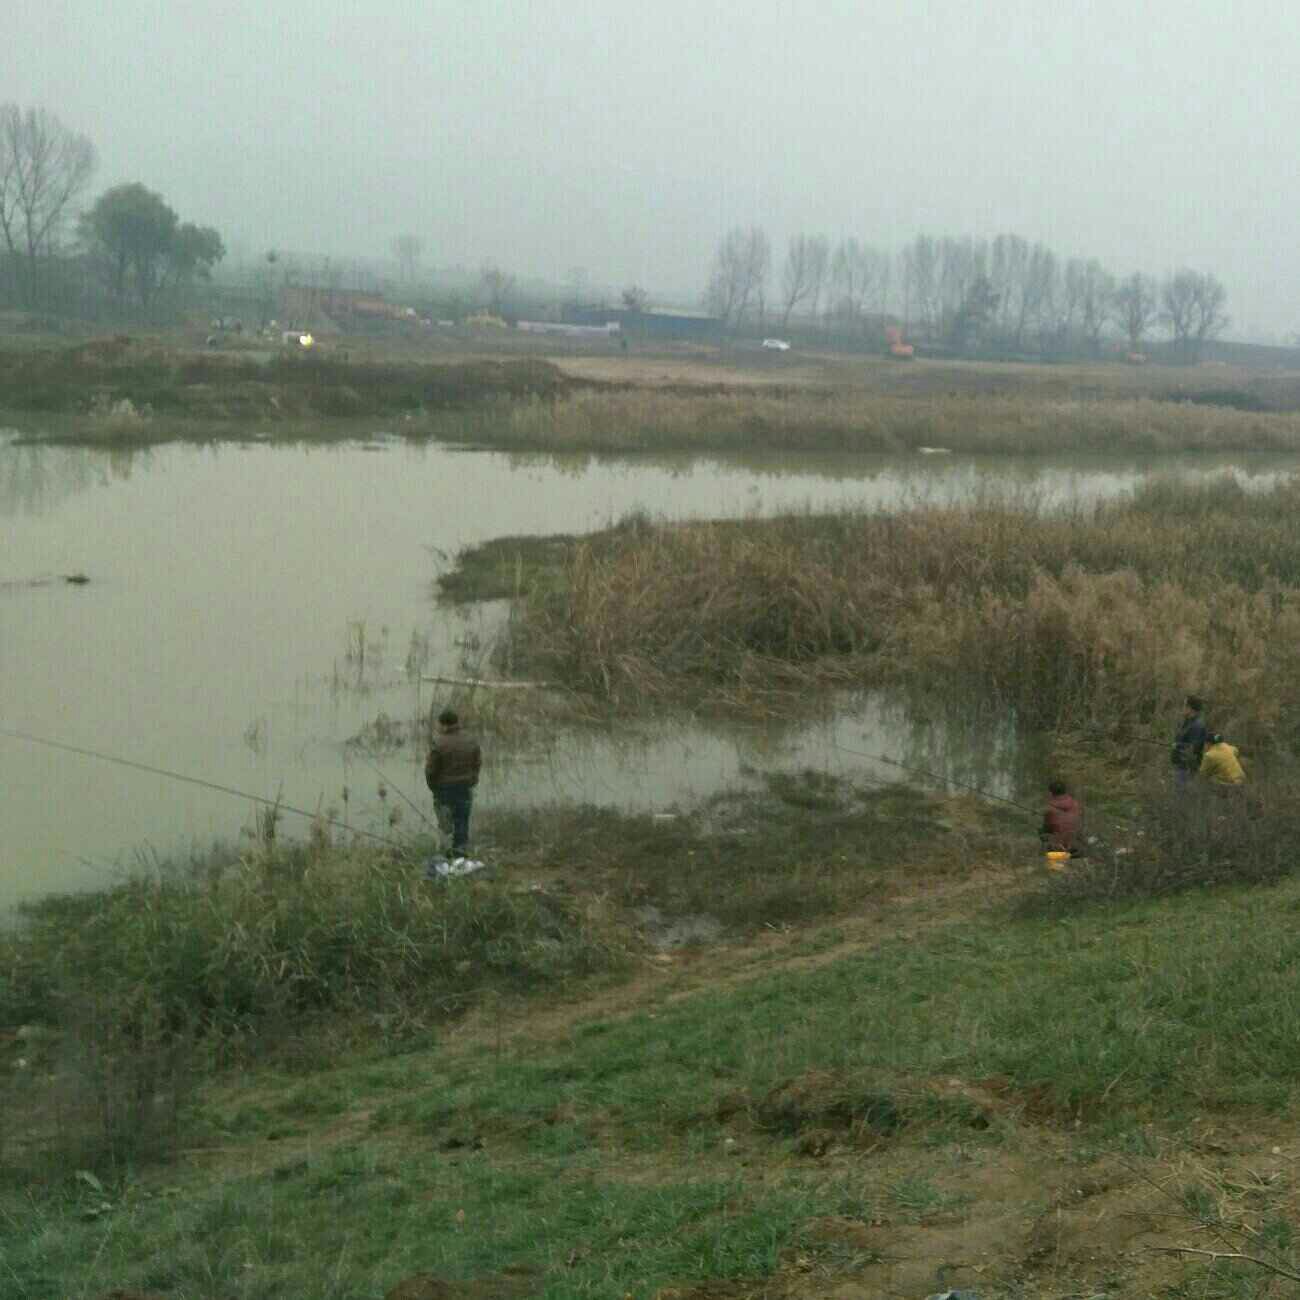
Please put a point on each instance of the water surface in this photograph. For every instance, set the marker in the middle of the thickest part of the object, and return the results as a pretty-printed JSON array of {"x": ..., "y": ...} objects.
[{"x": 251, "y": 607}]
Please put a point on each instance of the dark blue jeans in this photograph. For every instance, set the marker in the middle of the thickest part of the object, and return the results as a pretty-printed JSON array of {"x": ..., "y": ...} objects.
[{"x": 452, "y": 803}]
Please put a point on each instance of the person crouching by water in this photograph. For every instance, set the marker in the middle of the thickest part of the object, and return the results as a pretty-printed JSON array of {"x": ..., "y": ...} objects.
[
  {"x": 1189, "y": 742},
  {"x": 451, "y": 773},
  {"x": 1220, "y": 765},
  {"x": 1062, "y": 820}
]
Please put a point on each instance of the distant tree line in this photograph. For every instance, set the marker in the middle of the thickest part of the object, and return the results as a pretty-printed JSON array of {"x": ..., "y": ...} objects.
[
  {"x": 969, "y": 297},
  {"x": 127, "y": 254}
]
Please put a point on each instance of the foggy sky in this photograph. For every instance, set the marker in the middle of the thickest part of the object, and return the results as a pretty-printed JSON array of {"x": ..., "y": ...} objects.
[{"x": 624, "y": 136}]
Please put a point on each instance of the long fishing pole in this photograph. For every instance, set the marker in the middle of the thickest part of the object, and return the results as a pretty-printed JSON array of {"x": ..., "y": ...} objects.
[
  {"x": 934, "y": 776},
  {"x": 194, "y": 780},
  {"x": 367, "y": 757},
  {"x": 1095, "y": 733}
]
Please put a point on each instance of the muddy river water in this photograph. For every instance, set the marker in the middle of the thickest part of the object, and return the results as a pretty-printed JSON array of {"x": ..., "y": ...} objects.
[{"x": 251, "y": 607}]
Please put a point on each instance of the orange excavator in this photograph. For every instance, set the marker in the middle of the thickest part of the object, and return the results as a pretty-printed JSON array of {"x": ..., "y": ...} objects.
[{"x": 899, "y": 350}]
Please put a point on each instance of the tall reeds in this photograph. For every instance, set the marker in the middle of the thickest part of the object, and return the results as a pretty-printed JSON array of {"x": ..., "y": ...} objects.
[{"x": 1095, "y": 616}]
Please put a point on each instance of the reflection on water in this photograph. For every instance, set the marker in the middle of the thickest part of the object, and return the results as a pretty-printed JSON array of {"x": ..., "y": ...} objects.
[
  {"x": 34, "y": 480},
  {"x": 250, "y": 608},
  {"x": 880, "y": 737}
]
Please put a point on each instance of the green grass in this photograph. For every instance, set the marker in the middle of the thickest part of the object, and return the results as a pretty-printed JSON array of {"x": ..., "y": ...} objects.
[
  {"x": 125, "y": 390},
  {"x": 599, "y": 1164},
  {"x": 791, "y": 848},
  {"x": 1112, "y": 1016}
]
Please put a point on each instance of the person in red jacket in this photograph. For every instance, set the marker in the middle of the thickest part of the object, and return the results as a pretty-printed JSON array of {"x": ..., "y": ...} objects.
[{"x": 1062, "y": 820}]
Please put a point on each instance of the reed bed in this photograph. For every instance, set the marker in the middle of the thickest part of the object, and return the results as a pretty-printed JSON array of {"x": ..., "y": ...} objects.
[
  {"x": 1098, "y": 616},
  {"x": 633, "y": 420}
]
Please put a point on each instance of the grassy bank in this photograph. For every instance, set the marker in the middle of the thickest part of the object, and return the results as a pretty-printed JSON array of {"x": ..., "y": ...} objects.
[
  {"x": 289, "y": 952},
  {"x": 859, "y": 420},
  {"x": 122, "y": 389},
  {"x": 292, "y": 949},
  {"x": 1102, "y": 616},
  {"x": 1011, "y": 1100}
]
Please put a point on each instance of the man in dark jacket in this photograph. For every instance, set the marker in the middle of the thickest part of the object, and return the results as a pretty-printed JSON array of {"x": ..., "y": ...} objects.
[
  {"x": 451, "y": 773},
  {"x": 1189, "y": 742},
  {"x": 1061, "y": 821}
]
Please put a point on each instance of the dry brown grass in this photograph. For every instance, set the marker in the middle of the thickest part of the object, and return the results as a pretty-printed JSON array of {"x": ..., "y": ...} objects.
[
  {"x": 1100, "y": 617},
  {"x": 861, "y": 421}
]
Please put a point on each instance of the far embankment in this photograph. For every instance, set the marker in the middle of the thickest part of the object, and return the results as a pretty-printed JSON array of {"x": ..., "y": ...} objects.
[{"x": 127, "y": 390}]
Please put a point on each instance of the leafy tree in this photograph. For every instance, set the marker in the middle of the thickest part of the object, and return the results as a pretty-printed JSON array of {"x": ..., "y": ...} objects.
[
  {"x": 194, "y": 252},
  {"x": 141, "y": 246},
  {"x": 130, "y": 231},
  {"x": 635, "y": 298}
]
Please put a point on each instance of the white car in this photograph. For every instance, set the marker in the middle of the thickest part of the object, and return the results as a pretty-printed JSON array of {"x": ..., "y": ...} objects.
[{"x": 776, "y": 345}]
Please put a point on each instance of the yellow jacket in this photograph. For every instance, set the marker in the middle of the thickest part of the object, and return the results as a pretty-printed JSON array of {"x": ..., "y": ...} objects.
[{"x": 1221, "y": 765}]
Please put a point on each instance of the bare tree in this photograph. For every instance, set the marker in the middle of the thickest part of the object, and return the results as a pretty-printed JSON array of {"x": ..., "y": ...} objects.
[
  {"x": 1039, "y": 304},
  {"x": 1192, "y": 309},
  {"x": 740, "y": 270},
  {"x": 962, "y": 264},
  {"x": 1136, "y": 308},
  {"x": 921, "y": 282},
  {"x": 1210, "y": 320},
  {"x": 1008, "y": 267},
  {"x": 408, "y": 249},
  {"x": 974, "y": 314},
  {"x": 859, "y": 274},
  {"x": 803, "y": 274},
  {"x": 496, "y": 286},
  {"x": 634, "y": 298},
  {"x": 44, "y": 166},
  {"x": 1094, "y": 291},
  {"x": 577, "y": 282}
]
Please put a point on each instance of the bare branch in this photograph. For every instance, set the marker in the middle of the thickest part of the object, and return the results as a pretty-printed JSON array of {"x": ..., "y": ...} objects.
[
  {"x": 1215, "y": 1255},
  {"x": 43, "y": 166}
]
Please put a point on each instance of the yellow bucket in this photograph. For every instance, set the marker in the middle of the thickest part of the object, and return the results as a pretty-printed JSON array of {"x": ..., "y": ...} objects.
[{"x": 1057, "y": 859}]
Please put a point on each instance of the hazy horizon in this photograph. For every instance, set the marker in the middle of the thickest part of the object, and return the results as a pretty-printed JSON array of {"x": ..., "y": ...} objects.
[{"x": 547, "y": 136}]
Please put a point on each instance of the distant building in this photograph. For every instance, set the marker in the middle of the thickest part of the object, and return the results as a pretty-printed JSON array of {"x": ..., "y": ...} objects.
[
  {"x": 650, "y": 323},
  {"x": 568, "y": 331}
]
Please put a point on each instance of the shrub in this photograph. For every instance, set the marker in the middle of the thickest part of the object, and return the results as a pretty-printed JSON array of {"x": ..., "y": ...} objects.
[
  {"x": 1201, "y": 836},
  {"x": 137, "y": 983}
]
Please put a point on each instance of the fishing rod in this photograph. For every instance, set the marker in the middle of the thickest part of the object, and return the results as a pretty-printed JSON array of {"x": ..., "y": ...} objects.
[
  {"x": 1095, "y": 733},
  {"x": 195, "y": 780},
  {"x": 367, "y": 757},
  {"x": 1166, "y": 745},
  {"x": 934, "y": 776}
]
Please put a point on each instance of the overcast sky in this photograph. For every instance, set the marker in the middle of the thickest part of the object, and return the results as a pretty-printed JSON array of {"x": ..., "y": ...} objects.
[{"x": 624, "y": 137}]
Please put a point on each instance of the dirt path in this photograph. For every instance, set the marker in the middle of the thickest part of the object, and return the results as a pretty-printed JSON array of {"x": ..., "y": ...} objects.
[{"x": 1022, "y": 1207}]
